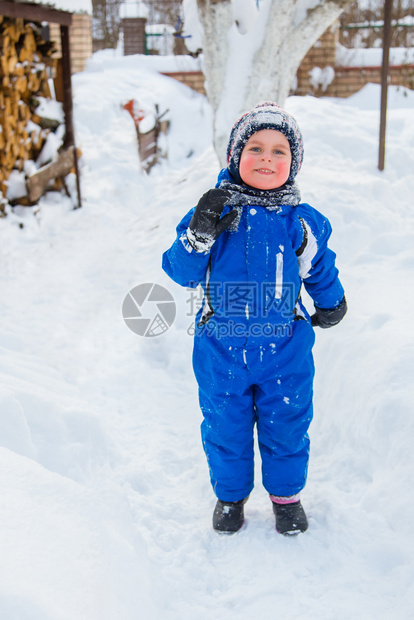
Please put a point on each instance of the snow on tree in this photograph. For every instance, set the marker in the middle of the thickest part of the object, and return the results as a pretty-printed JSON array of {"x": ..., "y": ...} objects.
[{"x": 252, "y": 50}]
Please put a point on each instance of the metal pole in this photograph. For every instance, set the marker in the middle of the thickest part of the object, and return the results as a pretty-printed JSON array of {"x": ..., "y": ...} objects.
[{"x": 384, "y": 80}]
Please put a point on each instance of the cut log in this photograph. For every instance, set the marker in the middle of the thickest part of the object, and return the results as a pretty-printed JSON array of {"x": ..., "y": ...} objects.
[
  {"x": 36, "y": 184},
  {"x": 45, "y": 123}
]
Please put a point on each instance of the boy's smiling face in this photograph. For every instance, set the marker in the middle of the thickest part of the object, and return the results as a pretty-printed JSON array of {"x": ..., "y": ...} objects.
[{"x": 265, "y": 160}]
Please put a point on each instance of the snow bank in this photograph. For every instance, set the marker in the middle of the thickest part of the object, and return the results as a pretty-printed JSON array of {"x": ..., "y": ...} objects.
[
  {"x": 65, "y": 552},
  {"x": 106, "y": 509}
]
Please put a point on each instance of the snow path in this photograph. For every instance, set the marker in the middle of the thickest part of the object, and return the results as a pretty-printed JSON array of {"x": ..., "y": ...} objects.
[{"x": 107, "y": 505}]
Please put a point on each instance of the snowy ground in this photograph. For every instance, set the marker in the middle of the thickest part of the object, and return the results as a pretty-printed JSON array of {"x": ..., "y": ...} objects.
[{"x": 106, "y": 505}]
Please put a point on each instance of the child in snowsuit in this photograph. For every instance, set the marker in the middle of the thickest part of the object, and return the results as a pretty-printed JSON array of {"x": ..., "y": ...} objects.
[{"x": 251, "y": 244}]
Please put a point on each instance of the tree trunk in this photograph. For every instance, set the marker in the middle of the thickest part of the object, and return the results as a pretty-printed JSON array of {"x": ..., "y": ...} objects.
[{"x": 260, "y": 64}]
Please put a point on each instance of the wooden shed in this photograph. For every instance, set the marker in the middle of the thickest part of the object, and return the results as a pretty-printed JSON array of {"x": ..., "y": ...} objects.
[{"x": 29, "y": 64}]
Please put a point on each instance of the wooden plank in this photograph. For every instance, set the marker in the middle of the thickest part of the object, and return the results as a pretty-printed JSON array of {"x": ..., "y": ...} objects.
[
  {"x": 37, "y": 182},
  {"x": 35, "y": 13}
]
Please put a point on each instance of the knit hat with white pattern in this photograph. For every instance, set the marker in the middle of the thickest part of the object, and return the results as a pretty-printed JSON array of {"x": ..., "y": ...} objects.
[{"x": 265, "y": 115}]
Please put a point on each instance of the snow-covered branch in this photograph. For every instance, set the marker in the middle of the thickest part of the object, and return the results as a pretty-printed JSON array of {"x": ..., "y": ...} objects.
[
  {"x": 217, "y": 18},
  {"x": 318, "y": 19},
  {"x": 253, "y": 55}
]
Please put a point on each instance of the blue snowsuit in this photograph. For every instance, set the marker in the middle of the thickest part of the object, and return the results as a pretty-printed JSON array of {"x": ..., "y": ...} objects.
[{"x": 253, "y": 341}]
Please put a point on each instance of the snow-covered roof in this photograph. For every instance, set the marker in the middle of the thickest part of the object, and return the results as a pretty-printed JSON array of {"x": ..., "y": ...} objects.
[{"x": 72, "y": 6}]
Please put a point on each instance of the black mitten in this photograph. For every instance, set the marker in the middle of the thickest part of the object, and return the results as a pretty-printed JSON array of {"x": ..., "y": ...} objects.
[
  {"x": 205, "y": 225},
  {"x": 329, "y": 318}
]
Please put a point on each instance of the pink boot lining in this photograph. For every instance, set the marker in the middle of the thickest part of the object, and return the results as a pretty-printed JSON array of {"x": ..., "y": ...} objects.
[{"x": 291, "y": 499}]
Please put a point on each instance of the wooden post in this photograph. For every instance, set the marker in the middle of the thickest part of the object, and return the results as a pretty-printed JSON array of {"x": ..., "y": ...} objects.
[
  {"x": 67, "y": 100},
  {"x": 67, "y": 86},
  {"x": 384, "y": 80}
]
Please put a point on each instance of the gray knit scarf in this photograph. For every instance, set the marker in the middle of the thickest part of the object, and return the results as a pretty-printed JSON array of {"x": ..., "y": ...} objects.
[{"x": 272, "y": 199}]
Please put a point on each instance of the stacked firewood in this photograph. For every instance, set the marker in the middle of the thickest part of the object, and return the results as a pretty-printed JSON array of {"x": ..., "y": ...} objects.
[{"x": 24, "y": 62}]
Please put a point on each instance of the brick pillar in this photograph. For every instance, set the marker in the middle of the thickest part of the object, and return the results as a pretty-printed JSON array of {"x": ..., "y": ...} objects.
[
  {"x": 80, "y": 34},
  {"x": 80, "y": 41},
  {"x": 134, "y": 35}
]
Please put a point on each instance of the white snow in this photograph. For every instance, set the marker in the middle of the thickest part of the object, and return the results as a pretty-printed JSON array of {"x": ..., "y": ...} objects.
[
  {"x": 50, "y": 108},
  {"x": 322, "y": 77},
  {"x": 16, "y": 185},
  {"x": 106, "y": 507},
  {"x": 372, "y": 57},
  {"x": 245, "y": 13},
  {"x": 302, "y": 7},
  {"x": 50, "y": 148},
  {"x": 73, "y": 6}
]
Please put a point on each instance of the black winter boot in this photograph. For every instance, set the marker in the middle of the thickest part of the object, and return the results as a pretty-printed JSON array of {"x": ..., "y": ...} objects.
[
  {"x": 228, "y": 517},
  {"x": 290, "y": 518}
]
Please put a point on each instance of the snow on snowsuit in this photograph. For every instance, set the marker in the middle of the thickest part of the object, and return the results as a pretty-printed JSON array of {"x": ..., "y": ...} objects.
[{"x": 253, "y": 337}]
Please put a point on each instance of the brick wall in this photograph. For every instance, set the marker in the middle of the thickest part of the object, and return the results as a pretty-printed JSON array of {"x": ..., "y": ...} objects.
[
  {"x": 80, "y": 35},
  {"x": 193, "y": 79},
  {"x": 349, "y": 80},
  {"x": 80, "y": 41}
]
